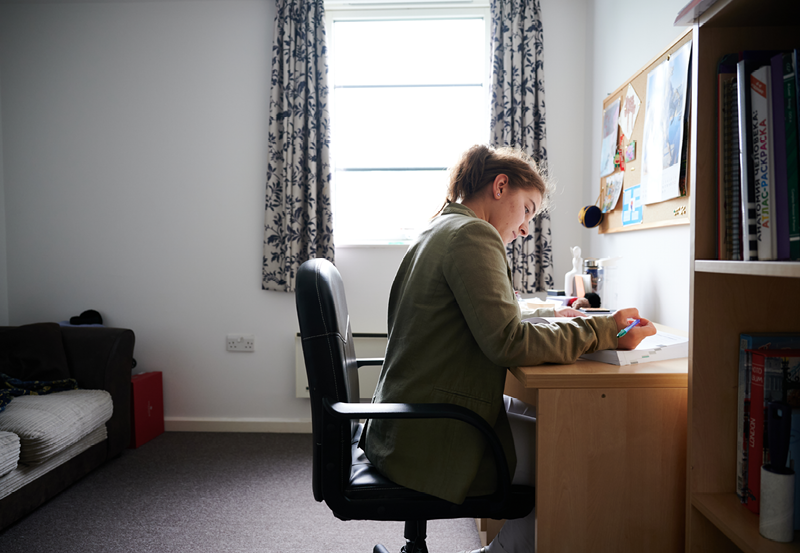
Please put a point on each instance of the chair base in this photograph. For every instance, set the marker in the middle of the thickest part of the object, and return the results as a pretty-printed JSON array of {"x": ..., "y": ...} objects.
[{"x": 415, "y": 534}]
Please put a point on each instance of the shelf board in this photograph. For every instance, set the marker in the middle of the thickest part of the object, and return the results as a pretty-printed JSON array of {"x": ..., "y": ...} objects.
[
  {"x": 738, "y": 524},
  {"x": 789, "y": 269},
  {"x": 750, "y": 13}
]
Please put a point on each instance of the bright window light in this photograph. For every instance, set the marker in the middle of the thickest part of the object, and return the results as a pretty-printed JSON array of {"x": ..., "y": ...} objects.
[{"x": 409, "y": 96}]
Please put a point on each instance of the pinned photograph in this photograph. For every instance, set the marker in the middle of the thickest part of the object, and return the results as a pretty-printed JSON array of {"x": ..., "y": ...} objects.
[
  {"x": 609, "y": 145},
  {"x": 630, "y": 151}
]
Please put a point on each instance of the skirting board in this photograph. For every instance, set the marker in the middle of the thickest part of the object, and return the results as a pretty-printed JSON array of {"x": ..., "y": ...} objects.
[{"x": 173, "y": 424}]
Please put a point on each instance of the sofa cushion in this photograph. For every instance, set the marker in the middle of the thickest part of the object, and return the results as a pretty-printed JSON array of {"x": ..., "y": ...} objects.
[
  {"x": 9, "y": 452},
  {"x": 50, "y": 423},
  {"x": 33, "y": 352}
]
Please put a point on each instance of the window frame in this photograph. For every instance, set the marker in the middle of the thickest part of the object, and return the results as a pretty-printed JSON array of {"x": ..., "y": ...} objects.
[{"x": 367, "y": 10}]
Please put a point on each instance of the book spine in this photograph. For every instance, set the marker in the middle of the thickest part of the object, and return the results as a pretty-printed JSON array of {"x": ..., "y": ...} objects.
[
  {"x": 773, "y": 227},
  {"x": 762, "y": 160},
  {"x": 792, "y": 156},
  {"x": 781, "y": 204},
  {"x": 755, "y": 443},
  {"x": 734, "y": 180},
  {"x": 748, "y": 194},
  {"x": 722, "y": 230},
  {"x": 727, "y": 168},
  {"x": 743, "y": 419},
  {"x": 794, "y": 459}
]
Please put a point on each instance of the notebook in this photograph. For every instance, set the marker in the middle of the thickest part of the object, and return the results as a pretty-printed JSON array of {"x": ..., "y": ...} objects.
[{"x": 660, "y": 346}]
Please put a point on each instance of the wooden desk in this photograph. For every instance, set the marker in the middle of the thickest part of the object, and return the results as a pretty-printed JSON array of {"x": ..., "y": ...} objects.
[{"x": 611, "y": 455}]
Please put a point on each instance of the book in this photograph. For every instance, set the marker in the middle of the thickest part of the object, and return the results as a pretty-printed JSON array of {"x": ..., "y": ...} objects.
[
  {"x": 792, "y": 129},
  {"x": 763, "y": 161},
  {"x": 734, "y": 187},
  {"x": 750, "y": 341},
  {"x": 755, "y": 434},
  {"x": 775, "y": 377},
  {"x": 780, "y": 205},
  {"x": 748, "y": 191},
  {"x": 794, "y": 463},
  {"x": 728, "y": 185},
  {"x": 659, "y": 347}
]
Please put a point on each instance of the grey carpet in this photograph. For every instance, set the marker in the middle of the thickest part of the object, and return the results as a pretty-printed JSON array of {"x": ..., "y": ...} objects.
[{"x": 203, "y": 492}]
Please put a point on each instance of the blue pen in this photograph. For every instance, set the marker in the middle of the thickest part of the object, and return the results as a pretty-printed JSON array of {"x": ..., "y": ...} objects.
[{"x": 625, "y": 330}]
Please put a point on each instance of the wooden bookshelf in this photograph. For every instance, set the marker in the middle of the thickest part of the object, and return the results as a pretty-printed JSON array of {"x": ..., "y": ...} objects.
[
  {"x": 727, "y": 297},
  {"x": 755, "y": 268},
  {"x": 739, "y": 524}
]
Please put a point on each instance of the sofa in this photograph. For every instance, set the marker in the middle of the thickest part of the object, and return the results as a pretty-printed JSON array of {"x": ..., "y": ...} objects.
[{"x": 52, "y": 438}]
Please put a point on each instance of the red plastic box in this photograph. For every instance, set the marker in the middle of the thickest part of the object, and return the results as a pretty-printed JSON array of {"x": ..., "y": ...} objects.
[{"x": 147, "y": 408}]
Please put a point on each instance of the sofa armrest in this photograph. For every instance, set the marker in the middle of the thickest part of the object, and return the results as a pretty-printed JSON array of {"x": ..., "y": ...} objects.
[{"x": 101, "y": 358}]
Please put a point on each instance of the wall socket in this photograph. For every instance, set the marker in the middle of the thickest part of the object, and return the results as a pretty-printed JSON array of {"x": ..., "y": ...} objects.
[{"x": 240, "y": 342}]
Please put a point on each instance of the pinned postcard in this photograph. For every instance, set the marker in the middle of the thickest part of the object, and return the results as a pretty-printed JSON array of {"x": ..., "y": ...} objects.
[
  {"x": 628, "y": 111},
  {"x": 632, "y": 205},
  {"x": 630, "y": 151},
  {"x": 609, "y": 146},
  {"x": 611, "y": 192},
  {"x": 664, "y": 113}
]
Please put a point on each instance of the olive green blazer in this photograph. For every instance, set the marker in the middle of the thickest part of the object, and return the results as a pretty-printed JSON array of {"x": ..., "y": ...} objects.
[{"x": 454, "y": 329}]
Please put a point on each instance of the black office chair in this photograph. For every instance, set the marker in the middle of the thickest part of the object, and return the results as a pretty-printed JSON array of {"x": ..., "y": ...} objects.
[{"x": 342, "y": 475}]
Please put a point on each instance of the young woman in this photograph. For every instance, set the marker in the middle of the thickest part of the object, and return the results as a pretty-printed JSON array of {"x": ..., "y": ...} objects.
[{"x": 455, "y": 328}]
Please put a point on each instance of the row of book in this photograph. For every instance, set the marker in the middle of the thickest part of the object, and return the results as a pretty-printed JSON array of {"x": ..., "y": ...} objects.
[
  {"x": 758, "y": 183},
  {"x": 769, "y": 371}
]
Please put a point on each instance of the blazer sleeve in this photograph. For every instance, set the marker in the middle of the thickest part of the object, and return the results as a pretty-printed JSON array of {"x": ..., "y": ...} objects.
[{"x": 477, "y": 272}]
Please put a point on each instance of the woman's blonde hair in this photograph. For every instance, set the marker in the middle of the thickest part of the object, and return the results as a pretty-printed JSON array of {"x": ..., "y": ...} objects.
[{"x": 480, "y": 165}]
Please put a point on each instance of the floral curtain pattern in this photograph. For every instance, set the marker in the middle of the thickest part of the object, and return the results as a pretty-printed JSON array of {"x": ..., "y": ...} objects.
[
  {"x": 517, "y": 119},
  {"x": 298, "y": 221}
]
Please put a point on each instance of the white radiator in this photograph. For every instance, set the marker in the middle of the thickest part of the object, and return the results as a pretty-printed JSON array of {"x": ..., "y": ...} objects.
[{"x": 367, "y": 345}]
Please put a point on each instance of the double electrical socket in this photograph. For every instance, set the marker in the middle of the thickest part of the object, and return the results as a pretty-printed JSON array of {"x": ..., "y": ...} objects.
[{"x": 240, "y": 342}]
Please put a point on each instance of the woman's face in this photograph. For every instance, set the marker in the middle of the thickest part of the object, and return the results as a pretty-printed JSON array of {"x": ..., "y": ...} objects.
[{"x": 513, "y": 210}]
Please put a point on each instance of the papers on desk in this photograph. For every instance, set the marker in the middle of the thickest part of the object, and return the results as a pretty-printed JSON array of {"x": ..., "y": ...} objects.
[
  {"x": 661, "y": 346},
  {"x": 544, "y": 320}
]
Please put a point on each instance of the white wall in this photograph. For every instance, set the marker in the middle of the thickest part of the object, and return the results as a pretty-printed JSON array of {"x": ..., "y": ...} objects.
[
  {"x": 566, "y": 25},
  {"x": 133, "y": 163},
  {"x": 654, "y": 270}
]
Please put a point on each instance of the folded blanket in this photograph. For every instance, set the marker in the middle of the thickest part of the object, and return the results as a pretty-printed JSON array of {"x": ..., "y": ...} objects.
[{"x": 14, "y": 387}]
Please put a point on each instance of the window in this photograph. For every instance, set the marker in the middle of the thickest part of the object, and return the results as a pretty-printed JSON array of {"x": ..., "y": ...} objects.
[{"x": 409, "y": 94}]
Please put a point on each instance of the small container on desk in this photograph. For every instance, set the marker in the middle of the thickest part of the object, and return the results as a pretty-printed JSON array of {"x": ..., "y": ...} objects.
[{"x": 147, "y": 408}]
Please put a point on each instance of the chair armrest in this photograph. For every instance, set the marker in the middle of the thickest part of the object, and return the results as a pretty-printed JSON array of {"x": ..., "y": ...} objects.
[
  {"x": 342, "y": 410},
  {"x": 100, "y": 358},
  {"x": 369, "y": 361}
]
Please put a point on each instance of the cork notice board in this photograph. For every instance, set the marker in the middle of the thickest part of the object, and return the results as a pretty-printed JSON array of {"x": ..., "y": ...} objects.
[{"x": 666, "y": 213}]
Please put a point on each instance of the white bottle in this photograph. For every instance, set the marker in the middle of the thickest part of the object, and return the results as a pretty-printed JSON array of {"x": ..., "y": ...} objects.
[
  {"x": 577, "y": 269},
  {"x": 606, "y": 267}
]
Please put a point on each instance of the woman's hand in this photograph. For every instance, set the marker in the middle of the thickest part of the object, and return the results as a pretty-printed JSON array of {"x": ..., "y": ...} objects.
[
  {"x": 568, "y": 312},
  {"x": 645, "y": 328}
]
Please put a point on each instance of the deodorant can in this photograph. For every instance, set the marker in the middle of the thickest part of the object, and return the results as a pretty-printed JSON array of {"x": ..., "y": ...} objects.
[{"x": 590, "y": 267}]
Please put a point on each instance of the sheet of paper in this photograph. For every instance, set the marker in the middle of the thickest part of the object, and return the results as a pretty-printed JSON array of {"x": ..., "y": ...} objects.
[
  {"x": 609, "y": 146},
  {"x": 629, "y": 110},
  {"x": 661, "y": 340},
  {"x": 661, "y": 346},
  {"x": 665, "y": 105},
  {"x": 544, "y": 320},
  {"x": 632, "y": 206},
  {"x": 611, "y": 192}
]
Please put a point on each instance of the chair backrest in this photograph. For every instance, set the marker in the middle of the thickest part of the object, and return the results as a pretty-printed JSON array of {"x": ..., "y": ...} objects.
[{"x": 330, "y": 366}]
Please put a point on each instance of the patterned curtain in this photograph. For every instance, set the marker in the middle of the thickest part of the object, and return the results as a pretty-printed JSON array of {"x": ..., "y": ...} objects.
[
  {"x": 518, "y": 120},
  {"x": 298, "y": 222}
]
